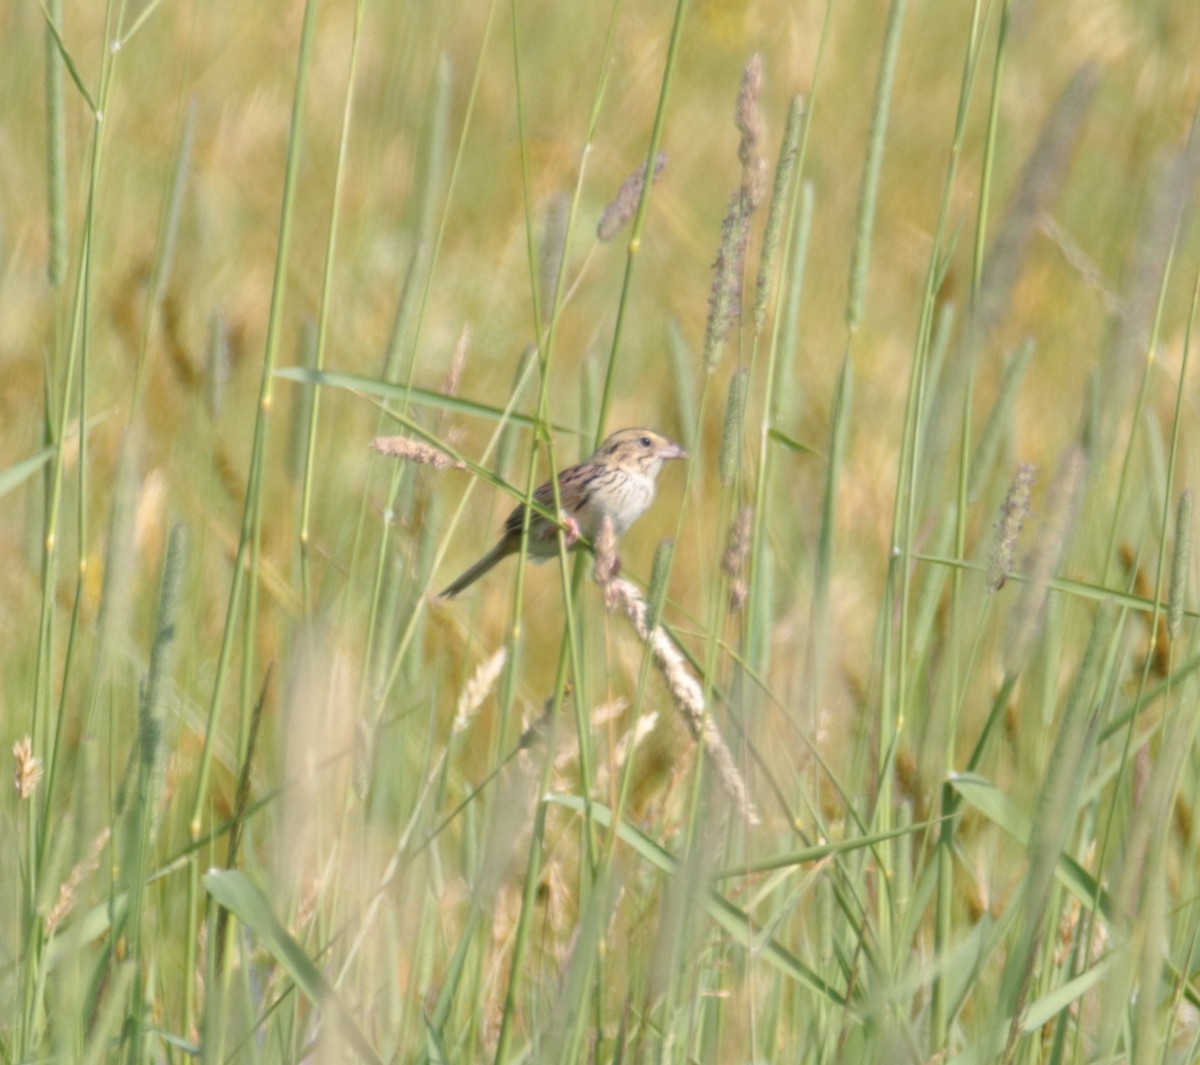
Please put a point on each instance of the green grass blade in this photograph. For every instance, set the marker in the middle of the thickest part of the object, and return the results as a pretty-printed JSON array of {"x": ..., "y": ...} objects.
[
  {"x": 237, "y": 894},
  {"x": 734, "y": 920},
  {"x": 411, "y": 394}
]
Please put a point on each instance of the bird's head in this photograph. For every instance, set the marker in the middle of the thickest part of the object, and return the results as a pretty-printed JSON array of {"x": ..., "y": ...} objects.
[{"x": 639, "y": 450}]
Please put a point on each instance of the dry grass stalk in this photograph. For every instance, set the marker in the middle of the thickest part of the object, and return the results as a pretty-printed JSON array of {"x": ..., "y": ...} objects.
[
  {"x": 478, "y": 688},
  {"x": 1171, "y": 189},
  {"x": 604, "y": 714},
  {"x": 748, "y": 120},
  {"x": 1070, "y": 920},
  {"x": 1066, "y": 495},
  {"x": 608, "y": 565},
  {"x": 458, "y": 362},
  {"x": 1039, "y": 185},
  {"x": 607, "y": 713},
  {"x": 1013, "y": 512},
  {"x": 68, "y": 891},
  {"x": 630, "y": 741},
  {"x": 405, "y": 447},
  {"x": 625, "y": 205},
  {"x": 28, "y": 771},
  {"x": 1084, "y": 266},
  {"x": 306, "y": 908},
  {"x": 633, "y": 739},
  {"x": 686, "y": 693},
  {"x": 454, "y": 375},
  {"x": 733, "y": 562}
]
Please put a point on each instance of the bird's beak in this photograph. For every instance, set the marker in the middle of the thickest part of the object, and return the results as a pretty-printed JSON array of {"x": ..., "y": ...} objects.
[{"x": 674, "y": 451}]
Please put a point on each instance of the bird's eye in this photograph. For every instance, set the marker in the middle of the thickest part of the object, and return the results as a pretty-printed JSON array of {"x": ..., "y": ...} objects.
[{"x": 645, "y": 441}]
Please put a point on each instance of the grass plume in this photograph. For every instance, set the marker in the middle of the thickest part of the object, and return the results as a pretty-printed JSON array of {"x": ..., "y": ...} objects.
[
  {"x": 686, "y": 693},
  {"x": 749, "y": 121},
  {"x": 624, "y": 205},
  {"x": 780, "y": 196},
  {"x": 724, "y": 300},
  {"x": 939, "y": 804},
  {"x": 1013, "y": 513},
  {"x": 417, "y": 451}
]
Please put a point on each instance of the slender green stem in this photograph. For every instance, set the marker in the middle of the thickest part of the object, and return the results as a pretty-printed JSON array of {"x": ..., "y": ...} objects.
[
  {"x": 939, "y": 1005},
  {"x": 75, "y": 358},
  {"x": 249, "y": 539},
  {"x": 639, "y": 221},
  {"x": 324, "y": 315}
]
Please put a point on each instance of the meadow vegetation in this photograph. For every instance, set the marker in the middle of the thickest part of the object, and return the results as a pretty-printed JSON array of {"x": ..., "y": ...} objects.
[{"x": 873, "y": 740}]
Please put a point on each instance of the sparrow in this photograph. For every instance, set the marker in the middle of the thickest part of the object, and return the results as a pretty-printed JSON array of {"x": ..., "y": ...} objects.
[{"x": 616, "y": 482}]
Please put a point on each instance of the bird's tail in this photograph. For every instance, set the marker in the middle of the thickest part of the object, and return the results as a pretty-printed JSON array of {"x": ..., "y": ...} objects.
[{"x": 501, "y": 551}]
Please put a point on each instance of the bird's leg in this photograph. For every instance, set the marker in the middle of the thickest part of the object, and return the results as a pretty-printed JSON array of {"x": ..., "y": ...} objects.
[{"x": 571, "y": 526}]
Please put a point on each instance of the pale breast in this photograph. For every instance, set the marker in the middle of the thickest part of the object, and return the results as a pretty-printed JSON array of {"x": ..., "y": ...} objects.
[{"x": 623, "y": 496}]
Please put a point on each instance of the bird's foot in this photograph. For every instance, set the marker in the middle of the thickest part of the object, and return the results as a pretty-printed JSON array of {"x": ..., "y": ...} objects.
[{"x": 572, "y": 529}]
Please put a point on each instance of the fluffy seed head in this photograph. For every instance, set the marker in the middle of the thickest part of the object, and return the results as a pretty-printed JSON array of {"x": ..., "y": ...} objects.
[
  {"x": 1013, "y": 513},
  {"x": 748, "y": 120},
  {"x": 625, "y": 206},
  {"x": 725, "y": 299},
  {"x": 733, "y": 562},
  {"x": 404, "y": 447},
  {"x": 687, "y": 694},
  {"x": 28, "y": 771},
  {"x": 1066, "y": 496},
  {"x": 478, "y": 688}
]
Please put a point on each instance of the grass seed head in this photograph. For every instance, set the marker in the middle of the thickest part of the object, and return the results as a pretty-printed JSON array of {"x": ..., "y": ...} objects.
[
  {"x": 624, "y": 207},
  {"x": 733, "y": 562},
  {"x": 404, "y": 447},
  {"x": 725, "y": 298},
  {"x": 28, "y": 771},
  {"x": 1013, "y": 512},
  {"x": 749, "y": 122}
]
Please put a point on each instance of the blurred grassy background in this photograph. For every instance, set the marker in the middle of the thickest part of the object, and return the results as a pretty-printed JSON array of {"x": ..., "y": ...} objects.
[{"x": 452, "y": 103}]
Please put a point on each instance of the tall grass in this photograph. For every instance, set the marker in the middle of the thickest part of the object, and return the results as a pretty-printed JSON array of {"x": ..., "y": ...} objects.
[{"x": 874, "y": 740}]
